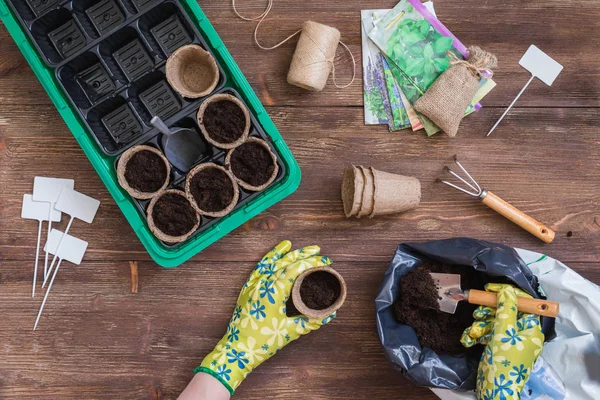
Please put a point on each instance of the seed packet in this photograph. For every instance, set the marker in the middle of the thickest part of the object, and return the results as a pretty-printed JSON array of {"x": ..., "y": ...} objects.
[
  {"x": 416, "y": 50},
  {"x": 376, "y": 101}
]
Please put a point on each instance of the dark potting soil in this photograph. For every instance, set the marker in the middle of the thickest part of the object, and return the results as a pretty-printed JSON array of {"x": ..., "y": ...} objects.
[
  {"x": 417, "y": 307},
  {"x": 224, "y": 121},
  {"x": 174, "y": 215},
  {"x": 146, "y": 171},
  {"x": 252, "y": 163},
  {"x": 212, "y": 189}
]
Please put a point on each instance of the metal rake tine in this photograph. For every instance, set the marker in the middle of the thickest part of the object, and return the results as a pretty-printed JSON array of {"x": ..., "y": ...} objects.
[
  {"x": 469, "y": 175},
  {"x": 463, "y": 181},
  {"x": 459, "y": 188}
]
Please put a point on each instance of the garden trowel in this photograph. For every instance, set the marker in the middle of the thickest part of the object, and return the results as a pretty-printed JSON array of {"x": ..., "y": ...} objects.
[{"x": 450, "y": 293}]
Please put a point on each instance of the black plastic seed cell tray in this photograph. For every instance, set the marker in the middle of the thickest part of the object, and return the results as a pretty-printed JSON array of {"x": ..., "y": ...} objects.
[
  {"x": 214, "y": 155},
  {"x": 109, "y": 56}
]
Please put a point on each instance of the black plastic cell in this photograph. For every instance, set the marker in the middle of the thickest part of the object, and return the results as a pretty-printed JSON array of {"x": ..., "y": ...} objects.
[
  {"x": 67, "y": 39},
  {"x": 40, "y": 7},
  {"x": 86, "y": 80},
  {"x": 133, "y": 59},
  {"x": 122, "y": 124},
  {"x": 95, "y": 82},
  {"x": 105, "y": 15},
  {"x": 143, "y": 4},
  {"x": 171, "y": 35},
  {"x": 160, "y": 100}
]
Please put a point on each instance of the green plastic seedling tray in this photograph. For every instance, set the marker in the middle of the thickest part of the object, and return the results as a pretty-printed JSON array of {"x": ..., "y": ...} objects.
[{"x": 164, "y": 255}]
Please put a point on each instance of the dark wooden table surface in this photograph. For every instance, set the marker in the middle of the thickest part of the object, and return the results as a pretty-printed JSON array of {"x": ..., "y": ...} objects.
[{"x": 99, "y": 340}]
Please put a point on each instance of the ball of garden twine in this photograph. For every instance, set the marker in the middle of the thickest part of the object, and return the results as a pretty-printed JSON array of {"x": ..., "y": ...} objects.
[{"x": 313, "y": 59}]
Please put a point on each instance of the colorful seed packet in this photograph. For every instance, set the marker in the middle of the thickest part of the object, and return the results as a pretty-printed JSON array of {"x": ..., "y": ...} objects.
[
  {"x": 376, "y": 101},
  {"x": 416, "y": 45}
]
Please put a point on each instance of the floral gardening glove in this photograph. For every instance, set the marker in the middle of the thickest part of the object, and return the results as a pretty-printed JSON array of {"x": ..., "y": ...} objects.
[
  {"x": 513, "y": 342},
  {"x": 260, "y": 327}
]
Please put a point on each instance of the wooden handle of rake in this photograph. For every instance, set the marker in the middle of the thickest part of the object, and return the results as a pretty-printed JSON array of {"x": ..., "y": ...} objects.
[
  {"x": 517, "y": 216},
  {"x": 524, "y": 304}
]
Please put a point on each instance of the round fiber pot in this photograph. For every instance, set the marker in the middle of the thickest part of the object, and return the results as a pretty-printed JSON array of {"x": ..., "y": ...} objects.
[
  {"x": 394, "y": 193},
  {"x": 171, "y": 217},
  {"x": 367, "y": 203},
  {"x": 143, "y": 171},
  {"x": 192, "y": 71},
  {"x": 353, "y": 184},
  {"x": 253, "y": 164},
  {"x": 224, "y": 121},
  {"x": 319, "y": 292},
  {"x": 212, "y": 190}
]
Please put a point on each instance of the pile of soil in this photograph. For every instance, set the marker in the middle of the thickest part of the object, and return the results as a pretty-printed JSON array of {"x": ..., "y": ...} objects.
[
  {"x": 318, "y": 291},
  {"x": 146, "y": 171},
  {"x": 212, "y": 189},
  {"x": 417, "y": 307},
  {"x": 224, "y": 121},
  {"x": 174, "y": 215},
  {"x": 252, "y": 163}
]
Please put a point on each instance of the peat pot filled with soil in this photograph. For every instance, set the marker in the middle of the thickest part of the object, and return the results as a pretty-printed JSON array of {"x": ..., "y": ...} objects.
[
  {"x": 143, "y": 171},
  {"x": 253, "y": 164},
  {"x": 192, "y": 71},
  {"x": 212, "y": 190},
  {"x": 171, "y": 217},
  {"x": 224, "y": 121},
  {"x": 317, "y": 293}
]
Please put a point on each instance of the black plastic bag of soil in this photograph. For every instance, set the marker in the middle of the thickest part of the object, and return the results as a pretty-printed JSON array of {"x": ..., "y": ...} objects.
[{"x": 422, "y": 365}]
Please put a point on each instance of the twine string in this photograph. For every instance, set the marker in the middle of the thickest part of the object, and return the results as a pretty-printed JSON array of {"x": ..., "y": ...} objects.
[
  {"x": 260, "y": 18},
  {"x": 479, "y": 63}
]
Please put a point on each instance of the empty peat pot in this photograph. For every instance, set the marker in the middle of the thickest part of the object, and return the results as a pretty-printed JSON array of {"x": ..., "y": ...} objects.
[
  {"x": 192, "y": 71},
  {"x": 212, "y": 190},
  {"x": 143, "y": 171},
  {"x": 224, "y": 121},
  {"x": 319, "y": 292},
  {"x": 171, "y": 217},
  {"x": 253, "y": 164}
]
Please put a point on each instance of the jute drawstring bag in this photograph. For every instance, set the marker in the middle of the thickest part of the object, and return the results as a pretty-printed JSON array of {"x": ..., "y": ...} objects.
[{"x": 447, "y": 99}]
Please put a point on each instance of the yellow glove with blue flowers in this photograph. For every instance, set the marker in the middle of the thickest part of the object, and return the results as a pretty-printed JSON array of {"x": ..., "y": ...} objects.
[
  {"x": 513, "y": 342},
  {"x": 260, "y": 327}
]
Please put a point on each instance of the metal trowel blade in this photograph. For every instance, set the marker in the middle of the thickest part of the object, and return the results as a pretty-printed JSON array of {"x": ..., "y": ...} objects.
[{"x": 449, "y": 291}]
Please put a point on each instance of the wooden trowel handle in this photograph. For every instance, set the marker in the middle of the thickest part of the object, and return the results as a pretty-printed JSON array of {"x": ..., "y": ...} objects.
[
  {"x": 517, "y": 216},
  {"x": 524, "y": 304}
]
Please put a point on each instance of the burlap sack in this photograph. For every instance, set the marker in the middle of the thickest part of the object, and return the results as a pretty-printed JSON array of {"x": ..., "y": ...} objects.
[{"x": 447, "y": 99}]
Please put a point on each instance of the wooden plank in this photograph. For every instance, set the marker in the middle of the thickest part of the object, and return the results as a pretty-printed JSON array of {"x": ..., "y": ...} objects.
[
  {"x": 550, "y": 171},
  {"x": 504, "y": 28},
  {"x": 98, "y": 340}
]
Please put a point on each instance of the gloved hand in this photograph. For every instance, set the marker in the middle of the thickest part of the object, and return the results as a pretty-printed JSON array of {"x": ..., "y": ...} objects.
[
  {"x": 513, "y": 342},
  {"x": 260, "y": 327}
]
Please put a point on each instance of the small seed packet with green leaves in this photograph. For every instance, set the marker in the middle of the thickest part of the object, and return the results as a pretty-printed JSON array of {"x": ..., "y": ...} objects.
[{"x": 413, "y": 44}]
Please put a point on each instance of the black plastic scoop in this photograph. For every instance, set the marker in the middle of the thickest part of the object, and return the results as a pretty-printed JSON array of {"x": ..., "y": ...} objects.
[{"x": 182, "y": 146}]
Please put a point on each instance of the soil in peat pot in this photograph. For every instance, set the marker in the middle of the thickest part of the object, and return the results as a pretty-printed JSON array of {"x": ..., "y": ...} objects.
[
  {"x": 252, "y": 163},
  {"x": 174, "y": 215},
  {"x": 418, "y": 308},
  {"x": 224, "y": 121},
  {"x": 212, "y": 189},
  {"x": 146, "y": 171},
  {"x": 318, "y": 291}
]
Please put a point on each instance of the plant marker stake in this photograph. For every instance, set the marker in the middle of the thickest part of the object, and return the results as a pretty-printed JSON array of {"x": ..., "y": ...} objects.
[
  {"x": 73, "y": 252},
  {"x": 48, "y": 190},
  {"x": 39, "y": 211},
  {"x": 541, "y": 66},
  {"x": 76, "y": 205}
]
